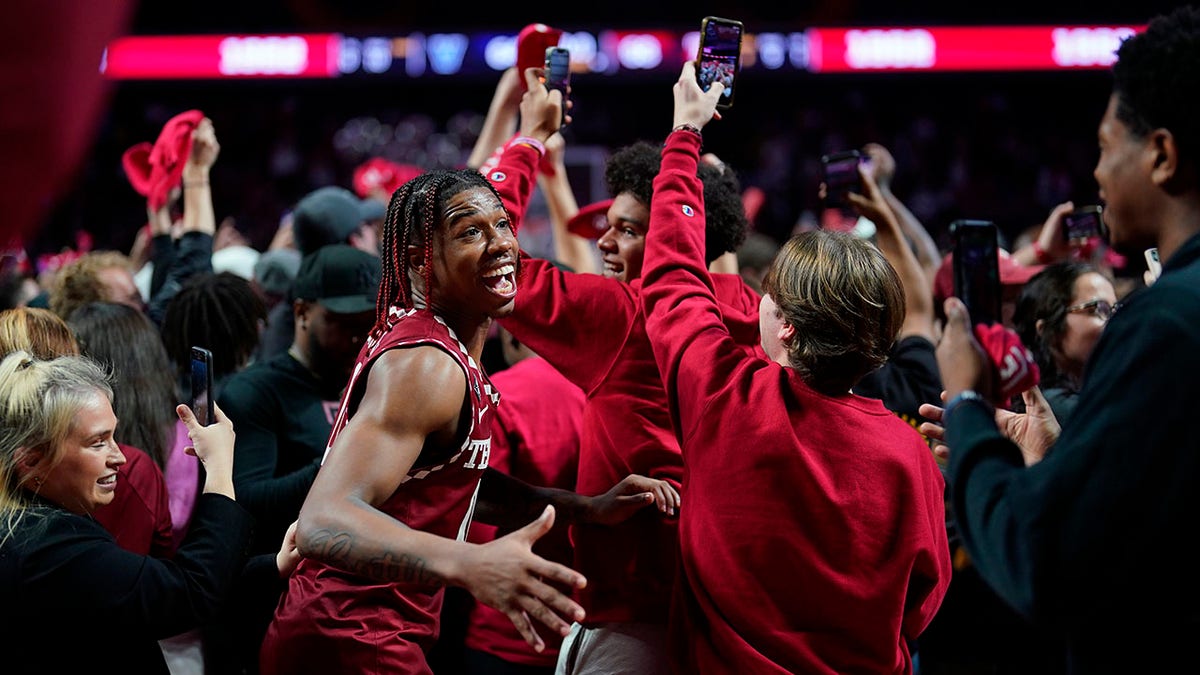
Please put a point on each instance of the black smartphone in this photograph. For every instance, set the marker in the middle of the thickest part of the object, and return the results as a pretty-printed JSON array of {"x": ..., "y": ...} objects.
[
  {"x": 558, "y": 73},
  {"x": 720, "y": 56},
  {"x": 977, "y": 268},
  {"x": 202, "y": 386},
  {"x": 841, "y": 176},
  {"x": 1083, "y": 223}
]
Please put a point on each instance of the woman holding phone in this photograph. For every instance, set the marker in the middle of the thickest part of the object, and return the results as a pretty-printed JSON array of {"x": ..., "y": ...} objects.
[{"x": 61, "y": 573}]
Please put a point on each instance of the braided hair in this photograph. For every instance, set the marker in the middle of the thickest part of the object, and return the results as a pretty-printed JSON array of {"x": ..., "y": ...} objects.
[{"x": 413, "y": 214}]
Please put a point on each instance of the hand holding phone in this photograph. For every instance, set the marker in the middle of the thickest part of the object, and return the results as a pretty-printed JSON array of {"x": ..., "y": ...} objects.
[
  {"x": 202, "y": 386},
  {"x": 720, "y": 56},
  {"x": 841, "y": 176},
  {"x": 1083, "y": 224},
  {"x": 977, "y": 269},
  {"x": 558, "y": 74}
]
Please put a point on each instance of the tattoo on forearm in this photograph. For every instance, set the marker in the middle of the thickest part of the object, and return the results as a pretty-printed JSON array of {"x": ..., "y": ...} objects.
[{"x": 338, "y": 549}]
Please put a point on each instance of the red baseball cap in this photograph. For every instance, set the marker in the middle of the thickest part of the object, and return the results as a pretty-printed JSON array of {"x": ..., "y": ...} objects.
[
  {"x": 1012, "y": 273},
  {"x": 384, "y": 174},
  {"x": 155, "y": 170},
  {"x": 592, "y": 220}
]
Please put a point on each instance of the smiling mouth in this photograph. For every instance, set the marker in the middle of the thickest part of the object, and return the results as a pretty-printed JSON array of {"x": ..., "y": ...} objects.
[
  {"x": 612, "y": 269},
  {"x": 502, "y": 281},
  {"x": 108, "y": 481}
]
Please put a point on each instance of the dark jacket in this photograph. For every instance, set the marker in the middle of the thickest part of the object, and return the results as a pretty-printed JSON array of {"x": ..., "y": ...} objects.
[
  {"x": 1089, "y": 542},
  {"x": 73, "y": 601}
]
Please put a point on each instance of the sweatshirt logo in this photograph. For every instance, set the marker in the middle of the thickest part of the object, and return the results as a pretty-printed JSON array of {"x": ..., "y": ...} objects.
[
  {"x": 498, "y": 177},
  {"x": 688, "y": 211}
]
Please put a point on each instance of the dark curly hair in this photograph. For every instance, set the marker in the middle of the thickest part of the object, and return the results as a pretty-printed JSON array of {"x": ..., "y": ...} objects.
[
  {"x": 219, "y": 311},
  {"x": 1156, "y": 79},
  {"x": 632, "y": 169}
]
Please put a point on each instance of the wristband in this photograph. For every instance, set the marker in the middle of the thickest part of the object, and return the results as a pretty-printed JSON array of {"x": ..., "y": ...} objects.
[
  {"x": 963, "y": 397},
  {"x": 529, "y": 142},
  {"x": 689, "y": 127},
  {"x": 194, "y": 183}
]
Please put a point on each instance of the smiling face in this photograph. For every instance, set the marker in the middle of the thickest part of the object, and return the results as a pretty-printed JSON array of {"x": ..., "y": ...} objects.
[
  {"x": 84, "y": 477},
  {"x": 474, "y": 257},
  {"x": 623, "y": 245},
  {"x": 1123, "y": 175}
]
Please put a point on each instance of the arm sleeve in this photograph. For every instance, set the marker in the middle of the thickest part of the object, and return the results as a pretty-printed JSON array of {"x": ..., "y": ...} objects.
[
  {"x": 273, "y": 500},
  {"x": 86, "y": 568},
  {"x": 194, "y": 256},
  {"x": 162, "y": 254},
  {"x": 692, "y": 345},
  {"x": 515, "y": 177}
]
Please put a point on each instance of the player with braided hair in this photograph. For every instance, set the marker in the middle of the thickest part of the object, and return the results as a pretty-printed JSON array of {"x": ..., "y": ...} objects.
[{"x": 382, "y": 529}]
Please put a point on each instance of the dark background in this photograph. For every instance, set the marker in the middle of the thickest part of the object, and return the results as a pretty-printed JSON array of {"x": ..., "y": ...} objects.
[{"x": 999, "y": 146}]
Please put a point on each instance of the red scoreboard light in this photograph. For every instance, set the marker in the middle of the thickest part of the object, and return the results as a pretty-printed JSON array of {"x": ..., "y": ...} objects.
[
  {"x": 992, "y": 48},
  {"x": 222, "y": 56}
]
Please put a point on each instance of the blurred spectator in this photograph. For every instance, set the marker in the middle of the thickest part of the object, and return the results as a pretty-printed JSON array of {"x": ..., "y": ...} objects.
[
  {"x": 334, "y": 215},
  {"x": 96, "y": 276}
]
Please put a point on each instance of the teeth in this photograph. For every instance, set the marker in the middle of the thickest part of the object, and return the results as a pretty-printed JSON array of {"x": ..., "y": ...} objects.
[
  {"x": 109, "y": 479},
  {"x": 500, "y": 271}
]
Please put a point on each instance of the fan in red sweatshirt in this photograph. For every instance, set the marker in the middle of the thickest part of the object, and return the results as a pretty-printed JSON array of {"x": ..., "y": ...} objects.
[
  {"x": 591, "y": 328},
  {"x": 812, "y": 528}
]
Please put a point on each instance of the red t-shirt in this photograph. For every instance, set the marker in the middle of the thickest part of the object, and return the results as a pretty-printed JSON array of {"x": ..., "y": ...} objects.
[
  {"x": 812, "y": 530},
  {"x": 535, "y": 438},
  {"x": 139, "y": 516},
  {"x": 329, "y": 620},
  {"x": 591, "y": 328}
]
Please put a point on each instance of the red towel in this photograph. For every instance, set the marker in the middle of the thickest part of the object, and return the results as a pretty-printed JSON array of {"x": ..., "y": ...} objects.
[
  {"x": 1013, "y": 366},
  {"x": 155, "y": 170}
]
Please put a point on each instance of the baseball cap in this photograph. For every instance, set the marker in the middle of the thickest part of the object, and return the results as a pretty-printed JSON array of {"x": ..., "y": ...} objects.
[
  {"x": 592, "y": 220},
  {"x": 1012, "y": 273},
  {"x": 276, "y": 270},
  {"x": 340, "y": 277},
  {"x": 329, "y": 215}
]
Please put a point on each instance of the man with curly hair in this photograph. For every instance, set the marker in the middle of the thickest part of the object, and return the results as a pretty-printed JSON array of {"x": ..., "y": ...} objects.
[
  {"x": 591, "y": 327},
  {"x": 96, "y": 276},
  {"x": 1079, "y": 542}
]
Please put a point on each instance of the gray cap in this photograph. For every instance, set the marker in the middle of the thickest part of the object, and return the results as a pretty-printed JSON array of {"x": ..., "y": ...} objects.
[{"x": 329, "y": 215}]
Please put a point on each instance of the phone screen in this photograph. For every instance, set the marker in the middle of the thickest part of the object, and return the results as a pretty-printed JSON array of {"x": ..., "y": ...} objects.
[
  {"x": 1082, "y": 223},
  {"x": 558, "y": 72},
  {"x": 202, "y": 386},
  {"x": 841, "y": 176},
  {"x": 977, "y": 269},
  {"x": 720, "y": 56}
]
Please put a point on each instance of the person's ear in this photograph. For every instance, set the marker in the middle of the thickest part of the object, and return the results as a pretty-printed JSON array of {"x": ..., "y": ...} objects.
[
  {"x": 1037, "y": 327},
  {"x": 787, "y": 332},
  {"x": 26, "y": 460},
  {"x": 1165, "y": 150},
  {"x": 300, "y": 308},
  {"x": 416, "y": 258}
]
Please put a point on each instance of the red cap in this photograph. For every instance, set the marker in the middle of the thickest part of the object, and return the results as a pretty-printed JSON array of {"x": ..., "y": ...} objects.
[
  {"x": 591, "y": 221},
  {"x": 1012, "y": 273},
  {"x": 378, "y": 173},
  {"x": 532, "y": 42},
  {"x": 155, "y": 170}
]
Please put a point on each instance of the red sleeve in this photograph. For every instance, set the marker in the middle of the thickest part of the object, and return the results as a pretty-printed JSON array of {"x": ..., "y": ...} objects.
[
  {"x": 577, "y": 322},
  {"x": 695, "y": 352},
  {"x": 515, "y": 177}
]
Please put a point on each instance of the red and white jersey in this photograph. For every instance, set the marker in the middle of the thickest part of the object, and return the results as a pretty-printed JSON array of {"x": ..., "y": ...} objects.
[{"x": 329, "y": 616}]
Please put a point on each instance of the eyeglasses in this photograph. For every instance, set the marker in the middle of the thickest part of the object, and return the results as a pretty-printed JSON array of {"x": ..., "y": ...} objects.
[{"x": 1101, "y": 308}]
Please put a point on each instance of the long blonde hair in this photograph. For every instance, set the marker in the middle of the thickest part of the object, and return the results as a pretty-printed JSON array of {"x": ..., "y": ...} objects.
[{"x": 39, "y": 401}]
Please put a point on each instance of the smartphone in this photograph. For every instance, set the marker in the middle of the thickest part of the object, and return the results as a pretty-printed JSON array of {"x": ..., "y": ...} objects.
[
  {"x": 202, "y": 386},
  {"x": 720, "y": 56},
  {"x": 977, "y": 268},
  {"x": 1153, "y": 263},
  {"x": 532, "y": 43},
  {"x": 558, "y": 73},
  {"x": 841, "y": 176},
  {"x": 1083, "y": 223}
]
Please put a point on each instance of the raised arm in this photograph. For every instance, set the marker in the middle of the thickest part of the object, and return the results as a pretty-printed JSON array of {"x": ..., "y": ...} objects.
[
  {"x": 570, "y": 249},
  {"x": 918, "y": 290},
  {"x": 501, "y": 120},
  {"x": 883, "y": 169}
]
